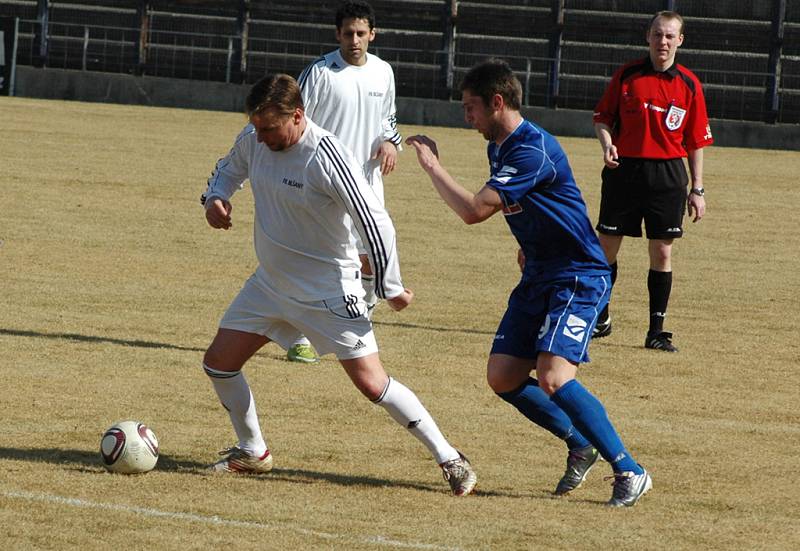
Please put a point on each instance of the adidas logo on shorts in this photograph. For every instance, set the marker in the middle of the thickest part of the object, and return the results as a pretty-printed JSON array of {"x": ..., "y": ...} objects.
[{"x": 359, "y": 345}]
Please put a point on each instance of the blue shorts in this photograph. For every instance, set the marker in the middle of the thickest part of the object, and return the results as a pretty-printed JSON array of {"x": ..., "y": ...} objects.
[{"x": 556, "y": 317}]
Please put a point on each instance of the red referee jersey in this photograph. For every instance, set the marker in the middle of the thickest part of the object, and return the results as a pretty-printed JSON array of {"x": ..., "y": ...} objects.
[{"x": 655, "y": 115}]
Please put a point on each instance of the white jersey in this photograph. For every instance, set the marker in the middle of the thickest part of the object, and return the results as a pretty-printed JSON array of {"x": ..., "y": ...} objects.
[
  {"x": 356, "y": 103},
  {"x": 305, "y": 198}
]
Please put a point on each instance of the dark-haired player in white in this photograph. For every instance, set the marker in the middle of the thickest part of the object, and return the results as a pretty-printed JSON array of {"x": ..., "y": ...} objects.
[
  {"x": 565, "y": 279},
  {"x": 351, "y": 93},
  {"x": 307, "y": 188}
]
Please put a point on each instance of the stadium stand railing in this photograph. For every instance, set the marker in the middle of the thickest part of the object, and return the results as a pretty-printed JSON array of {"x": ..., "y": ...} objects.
[{"x": 564, "y": 51}]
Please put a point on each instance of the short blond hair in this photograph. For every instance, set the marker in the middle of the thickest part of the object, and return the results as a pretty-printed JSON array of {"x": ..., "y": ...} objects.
[
  {"x": 666, "y": 14},
  {"x": 278, "y": 93}
]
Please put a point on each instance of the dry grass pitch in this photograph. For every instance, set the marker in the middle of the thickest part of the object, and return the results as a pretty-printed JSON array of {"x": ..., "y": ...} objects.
[{"x": 112, "y": 286}]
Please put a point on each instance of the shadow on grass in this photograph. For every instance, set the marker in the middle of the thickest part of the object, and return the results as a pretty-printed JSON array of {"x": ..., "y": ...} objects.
[
  {"x": 169, "y": 346},
  {"x": 92, "y": 338},
  {"x": 90, "y": 461},
  {"x": 432, "y": 328},
  {"x": 85, "y": 458}
]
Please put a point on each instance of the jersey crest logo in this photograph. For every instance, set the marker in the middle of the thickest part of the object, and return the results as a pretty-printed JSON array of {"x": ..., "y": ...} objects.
[
  {"x": 674, "y": 118},
  {"x": 510, "y": 209}
]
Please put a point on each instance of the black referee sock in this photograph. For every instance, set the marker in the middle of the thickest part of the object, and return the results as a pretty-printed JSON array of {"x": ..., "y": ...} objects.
[
  {"x": 604, "y": 314},
  {"x": 659, "y": 285}
]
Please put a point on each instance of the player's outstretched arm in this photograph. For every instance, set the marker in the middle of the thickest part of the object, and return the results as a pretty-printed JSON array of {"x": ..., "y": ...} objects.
[{"x": 471, "y": 207}]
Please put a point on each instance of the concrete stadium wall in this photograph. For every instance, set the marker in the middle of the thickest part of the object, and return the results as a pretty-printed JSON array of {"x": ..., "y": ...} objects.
[{"x": 215, "y": 96}]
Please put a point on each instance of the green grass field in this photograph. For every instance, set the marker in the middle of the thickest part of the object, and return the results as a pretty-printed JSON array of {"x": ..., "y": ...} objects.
[{"x": 112, "y": 285}]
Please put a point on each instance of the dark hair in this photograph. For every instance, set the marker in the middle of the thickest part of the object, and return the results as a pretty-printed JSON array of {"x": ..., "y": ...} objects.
[
  {"x": 357, "y": 10},
  {"x": 666, "y": 14},
  {"x": 279, "y": 93},
  {"x": 494, "y": 76}
]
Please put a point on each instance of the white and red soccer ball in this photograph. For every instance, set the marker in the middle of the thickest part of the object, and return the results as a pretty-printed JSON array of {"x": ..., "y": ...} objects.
[{"x": 129, "y": 447}]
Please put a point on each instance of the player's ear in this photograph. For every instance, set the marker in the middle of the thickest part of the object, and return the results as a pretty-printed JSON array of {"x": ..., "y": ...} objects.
[{"x": 497, "y": 102}]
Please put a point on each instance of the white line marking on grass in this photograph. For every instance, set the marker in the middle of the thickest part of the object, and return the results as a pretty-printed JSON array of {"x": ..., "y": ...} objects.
[{"x": 215, "y": 520}]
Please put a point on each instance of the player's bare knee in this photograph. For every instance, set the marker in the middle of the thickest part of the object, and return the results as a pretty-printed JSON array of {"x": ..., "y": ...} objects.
[
  {"x": 498, "y": 380},
  {"x": 213, "y": 359},
  {"x": 372, "y": 390},
  {"x": 549, "y": 386}
]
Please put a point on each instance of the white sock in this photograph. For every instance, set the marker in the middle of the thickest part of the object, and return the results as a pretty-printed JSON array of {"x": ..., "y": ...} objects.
[
  {"x": 368, "y": 283},
  {"x": 235, "y": 395},
  {"x": 405, "y": 408},
  {"x": 301, "y": 340}
]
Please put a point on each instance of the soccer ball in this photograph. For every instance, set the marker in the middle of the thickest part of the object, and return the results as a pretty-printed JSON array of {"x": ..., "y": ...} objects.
[{"x": 129, "y": 447}]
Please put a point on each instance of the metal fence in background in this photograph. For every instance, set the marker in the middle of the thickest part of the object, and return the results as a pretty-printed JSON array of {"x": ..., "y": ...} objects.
[{"x": 193, "y": 44}]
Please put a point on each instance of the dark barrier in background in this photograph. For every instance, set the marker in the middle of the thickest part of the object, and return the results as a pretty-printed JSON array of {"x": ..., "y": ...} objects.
[
  {"x": 8, "y": 54},
  {"x": 195, "y": 94}
]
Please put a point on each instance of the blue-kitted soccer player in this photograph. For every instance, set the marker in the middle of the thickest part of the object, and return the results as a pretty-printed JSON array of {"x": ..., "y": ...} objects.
[{"x": 565, "y": 279}]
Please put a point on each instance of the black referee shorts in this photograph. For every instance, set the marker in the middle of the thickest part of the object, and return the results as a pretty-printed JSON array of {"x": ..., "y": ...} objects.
[{"x": 644, "y": 189}]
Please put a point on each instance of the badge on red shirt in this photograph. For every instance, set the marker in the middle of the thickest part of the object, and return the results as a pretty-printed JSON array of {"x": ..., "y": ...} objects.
[{"x": 674, "y": 118}]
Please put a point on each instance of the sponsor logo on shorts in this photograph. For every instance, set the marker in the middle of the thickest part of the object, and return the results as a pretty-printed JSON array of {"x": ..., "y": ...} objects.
[
  {"x": 499, "y": 337},
  {"x": 673, "y": 230},
  {"x": 608, "y": 228},
  {"x": 359, "y": 345},
  {"x": 575, "y": 328}
]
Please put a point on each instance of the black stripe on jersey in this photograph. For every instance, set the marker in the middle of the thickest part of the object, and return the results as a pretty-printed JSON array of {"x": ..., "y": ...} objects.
[
  {"x": 212, "y": 180},
  {"x": 301, "y": 81},
  {"x": 635, "y": 68},
  {"x": 688, "y": 81},
  {"x": 373, "y": 235},
  {"x": 396, "y": 139},
  {"x": 374, "y": 240}
]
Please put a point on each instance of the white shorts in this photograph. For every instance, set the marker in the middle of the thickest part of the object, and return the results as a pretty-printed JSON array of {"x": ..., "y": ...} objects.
[{"x": 338, "y": 325}]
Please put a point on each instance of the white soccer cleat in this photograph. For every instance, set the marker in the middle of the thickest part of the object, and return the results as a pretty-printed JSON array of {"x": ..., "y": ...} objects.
[
  {"x": 459, "y": 474},
  {"x": 239, "y": 461},
  {"x": 629, "y": 488}
]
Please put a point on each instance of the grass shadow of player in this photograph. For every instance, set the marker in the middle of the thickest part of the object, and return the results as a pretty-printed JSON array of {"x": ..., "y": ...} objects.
[
  {"x": 139, "y": 343},
  {"x": 304, "y": 476},
  {"x": 89, "y": 460}
]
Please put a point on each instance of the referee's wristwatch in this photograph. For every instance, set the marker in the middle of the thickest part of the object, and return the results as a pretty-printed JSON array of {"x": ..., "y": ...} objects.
[{"x": 698, "y": 191}]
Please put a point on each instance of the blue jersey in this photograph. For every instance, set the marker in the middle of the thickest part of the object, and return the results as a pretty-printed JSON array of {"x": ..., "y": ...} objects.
[{"x": 544, "y": 207}]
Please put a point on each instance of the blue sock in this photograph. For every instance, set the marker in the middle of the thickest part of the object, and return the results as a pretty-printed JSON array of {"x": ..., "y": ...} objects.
[
  {"x": 589, "y": 415},
  {"x": 536, "y": 405}
]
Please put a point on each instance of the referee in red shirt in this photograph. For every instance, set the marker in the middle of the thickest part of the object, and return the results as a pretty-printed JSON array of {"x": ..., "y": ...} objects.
[{"x": 651, "y": 116}]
